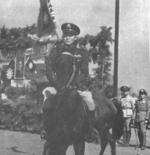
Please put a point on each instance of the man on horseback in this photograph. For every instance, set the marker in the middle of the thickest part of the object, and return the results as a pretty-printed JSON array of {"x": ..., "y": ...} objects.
[
  {"x": 79, "y": 77},
  {"x": 67, "y": 47},
  {"x": 72, "y": 104}
]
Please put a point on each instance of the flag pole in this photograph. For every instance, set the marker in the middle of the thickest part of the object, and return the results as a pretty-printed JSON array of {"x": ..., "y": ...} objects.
[{"x": 115, "y": 77}]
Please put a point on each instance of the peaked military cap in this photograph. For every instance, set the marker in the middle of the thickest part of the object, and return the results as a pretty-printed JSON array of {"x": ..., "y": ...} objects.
[
  {"x": 70, "y": 29},
  {"x": 142, "y": 91},
  {"x": 125, "y": 88}
]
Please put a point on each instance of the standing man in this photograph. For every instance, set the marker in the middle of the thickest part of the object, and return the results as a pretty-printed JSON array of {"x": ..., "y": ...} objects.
[
  {"x": 141, "y": 114},
  {"x": 127, "y": 104}
]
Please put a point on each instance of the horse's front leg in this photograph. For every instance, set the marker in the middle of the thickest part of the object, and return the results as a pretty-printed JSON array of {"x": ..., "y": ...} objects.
[
  {"x": 112, "y": 142},
  {"x": 79, "y": 148},
  {"x": 104, "y": 142},
  {"x": 54, "y": 149}
]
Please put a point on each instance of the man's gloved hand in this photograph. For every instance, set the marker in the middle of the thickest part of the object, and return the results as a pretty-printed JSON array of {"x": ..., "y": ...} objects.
[
  {"x": 43, "y": 134},
  {"x": 132, "y": 121},
  {"x": 146, "y": 121}
]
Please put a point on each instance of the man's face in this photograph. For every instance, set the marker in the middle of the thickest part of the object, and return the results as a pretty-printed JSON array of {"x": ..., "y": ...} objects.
[
  {"x": 125, "y": 93},
  {"x": 69, "y": 39},
  {"x": 142, "y": 96}
]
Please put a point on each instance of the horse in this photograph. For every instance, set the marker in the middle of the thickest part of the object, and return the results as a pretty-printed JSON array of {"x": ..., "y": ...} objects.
[{"x": 67, "y": 115}]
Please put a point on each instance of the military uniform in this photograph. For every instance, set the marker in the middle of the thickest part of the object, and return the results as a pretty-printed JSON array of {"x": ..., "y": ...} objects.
[
  {"x": 54, "y": 63},
  {"x": 65, "y": 54},
  {"x": 127, "y": 104},
  {"x": 77, "y": 56},
  {"x": 141, "y": 116}
]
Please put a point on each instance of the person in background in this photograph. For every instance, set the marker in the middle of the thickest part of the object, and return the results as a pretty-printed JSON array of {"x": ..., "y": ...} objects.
[
  {"x": 141, "y": 114},
  {"x": 127, "y": 104},
  {"x": 134, "y": 96}
]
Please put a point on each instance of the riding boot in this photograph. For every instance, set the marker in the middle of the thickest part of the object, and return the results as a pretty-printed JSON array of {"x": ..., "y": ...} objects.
[
  {"x": 128, "y": 137},
  {"x": 143, "y": 141},
  {"x": 140, "y": 138},
  {"x": 124, "y": 137}
]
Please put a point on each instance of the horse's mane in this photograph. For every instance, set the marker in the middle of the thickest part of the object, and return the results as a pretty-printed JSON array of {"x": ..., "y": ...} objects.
[{"x": 70, "y": 101}]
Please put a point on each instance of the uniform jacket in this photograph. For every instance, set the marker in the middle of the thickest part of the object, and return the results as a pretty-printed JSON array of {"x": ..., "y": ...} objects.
[
  {"x": 54, "y": 58},
  {"x": 141, "y": 110},
  {"x": 127, "y": 104}
]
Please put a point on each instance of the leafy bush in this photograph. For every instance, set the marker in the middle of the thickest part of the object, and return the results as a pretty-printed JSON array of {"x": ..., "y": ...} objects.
[
  {"x": 24, "y": 115},
  {"x": 14, "y": 92},
  {"x": 21, "y": 111}
]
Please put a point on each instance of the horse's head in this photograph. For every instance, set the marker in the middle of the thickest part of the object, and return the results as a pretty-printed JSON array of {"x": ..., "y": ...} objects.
[
  {"x": 67, "y": 120},
  {"x": 70, "y": 101},
  {"x": 66, "y": 67}
]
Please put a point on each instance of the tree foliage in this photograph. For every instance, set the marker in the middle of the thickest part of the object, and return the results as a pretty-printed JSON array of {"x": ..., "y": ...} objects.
[
  {"x": 100, "y": 44},
  {"x": 14, "y": 38}
]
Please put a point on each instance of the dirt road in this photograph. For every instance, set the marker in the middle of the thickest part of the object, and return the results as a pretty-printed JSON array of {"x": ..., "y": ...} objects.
[{"x": 17, "y": 143}]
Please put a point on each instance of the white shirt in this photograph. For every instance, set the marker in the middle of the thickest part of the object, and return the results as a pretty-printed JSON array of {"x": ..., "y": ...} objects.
[
  {"x": 127, "y": 104},
  {"x": 92, "y": 69}
]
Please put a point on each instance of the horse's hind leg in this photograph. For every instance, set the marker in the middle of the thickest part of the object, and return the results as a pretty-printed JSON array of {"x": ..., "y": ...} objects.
[
  {"x": 112, "y": 142},
  {"x": 113, "y": 147},
  {"x": 79, "y": 148},
  {"x": 104, "y": 142}
]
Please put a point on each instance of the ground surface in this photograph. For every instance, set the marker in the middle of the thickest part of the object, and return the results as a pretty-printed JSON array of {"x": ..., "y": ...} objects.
[{"x": 17, "y": 143}]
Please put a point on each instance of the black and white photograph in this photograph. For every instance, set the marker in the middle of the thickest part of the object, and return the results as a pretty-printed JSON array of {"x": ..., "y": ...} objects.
[{"x": 74, "y": 77}]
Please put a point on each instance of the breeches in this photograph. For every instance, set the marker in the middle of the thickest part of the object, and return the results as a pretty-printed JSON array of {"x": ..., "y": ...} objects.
[
  {"x": 88, "y": 98},
  {"x": 141, "y": 126},
  {"x": 126, "y": 124}
]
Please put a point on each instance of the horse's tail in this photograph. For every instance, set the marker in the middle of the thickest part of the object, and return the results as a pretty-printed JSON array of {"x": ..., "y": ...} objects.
[{"x": 117, "y": 129}]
